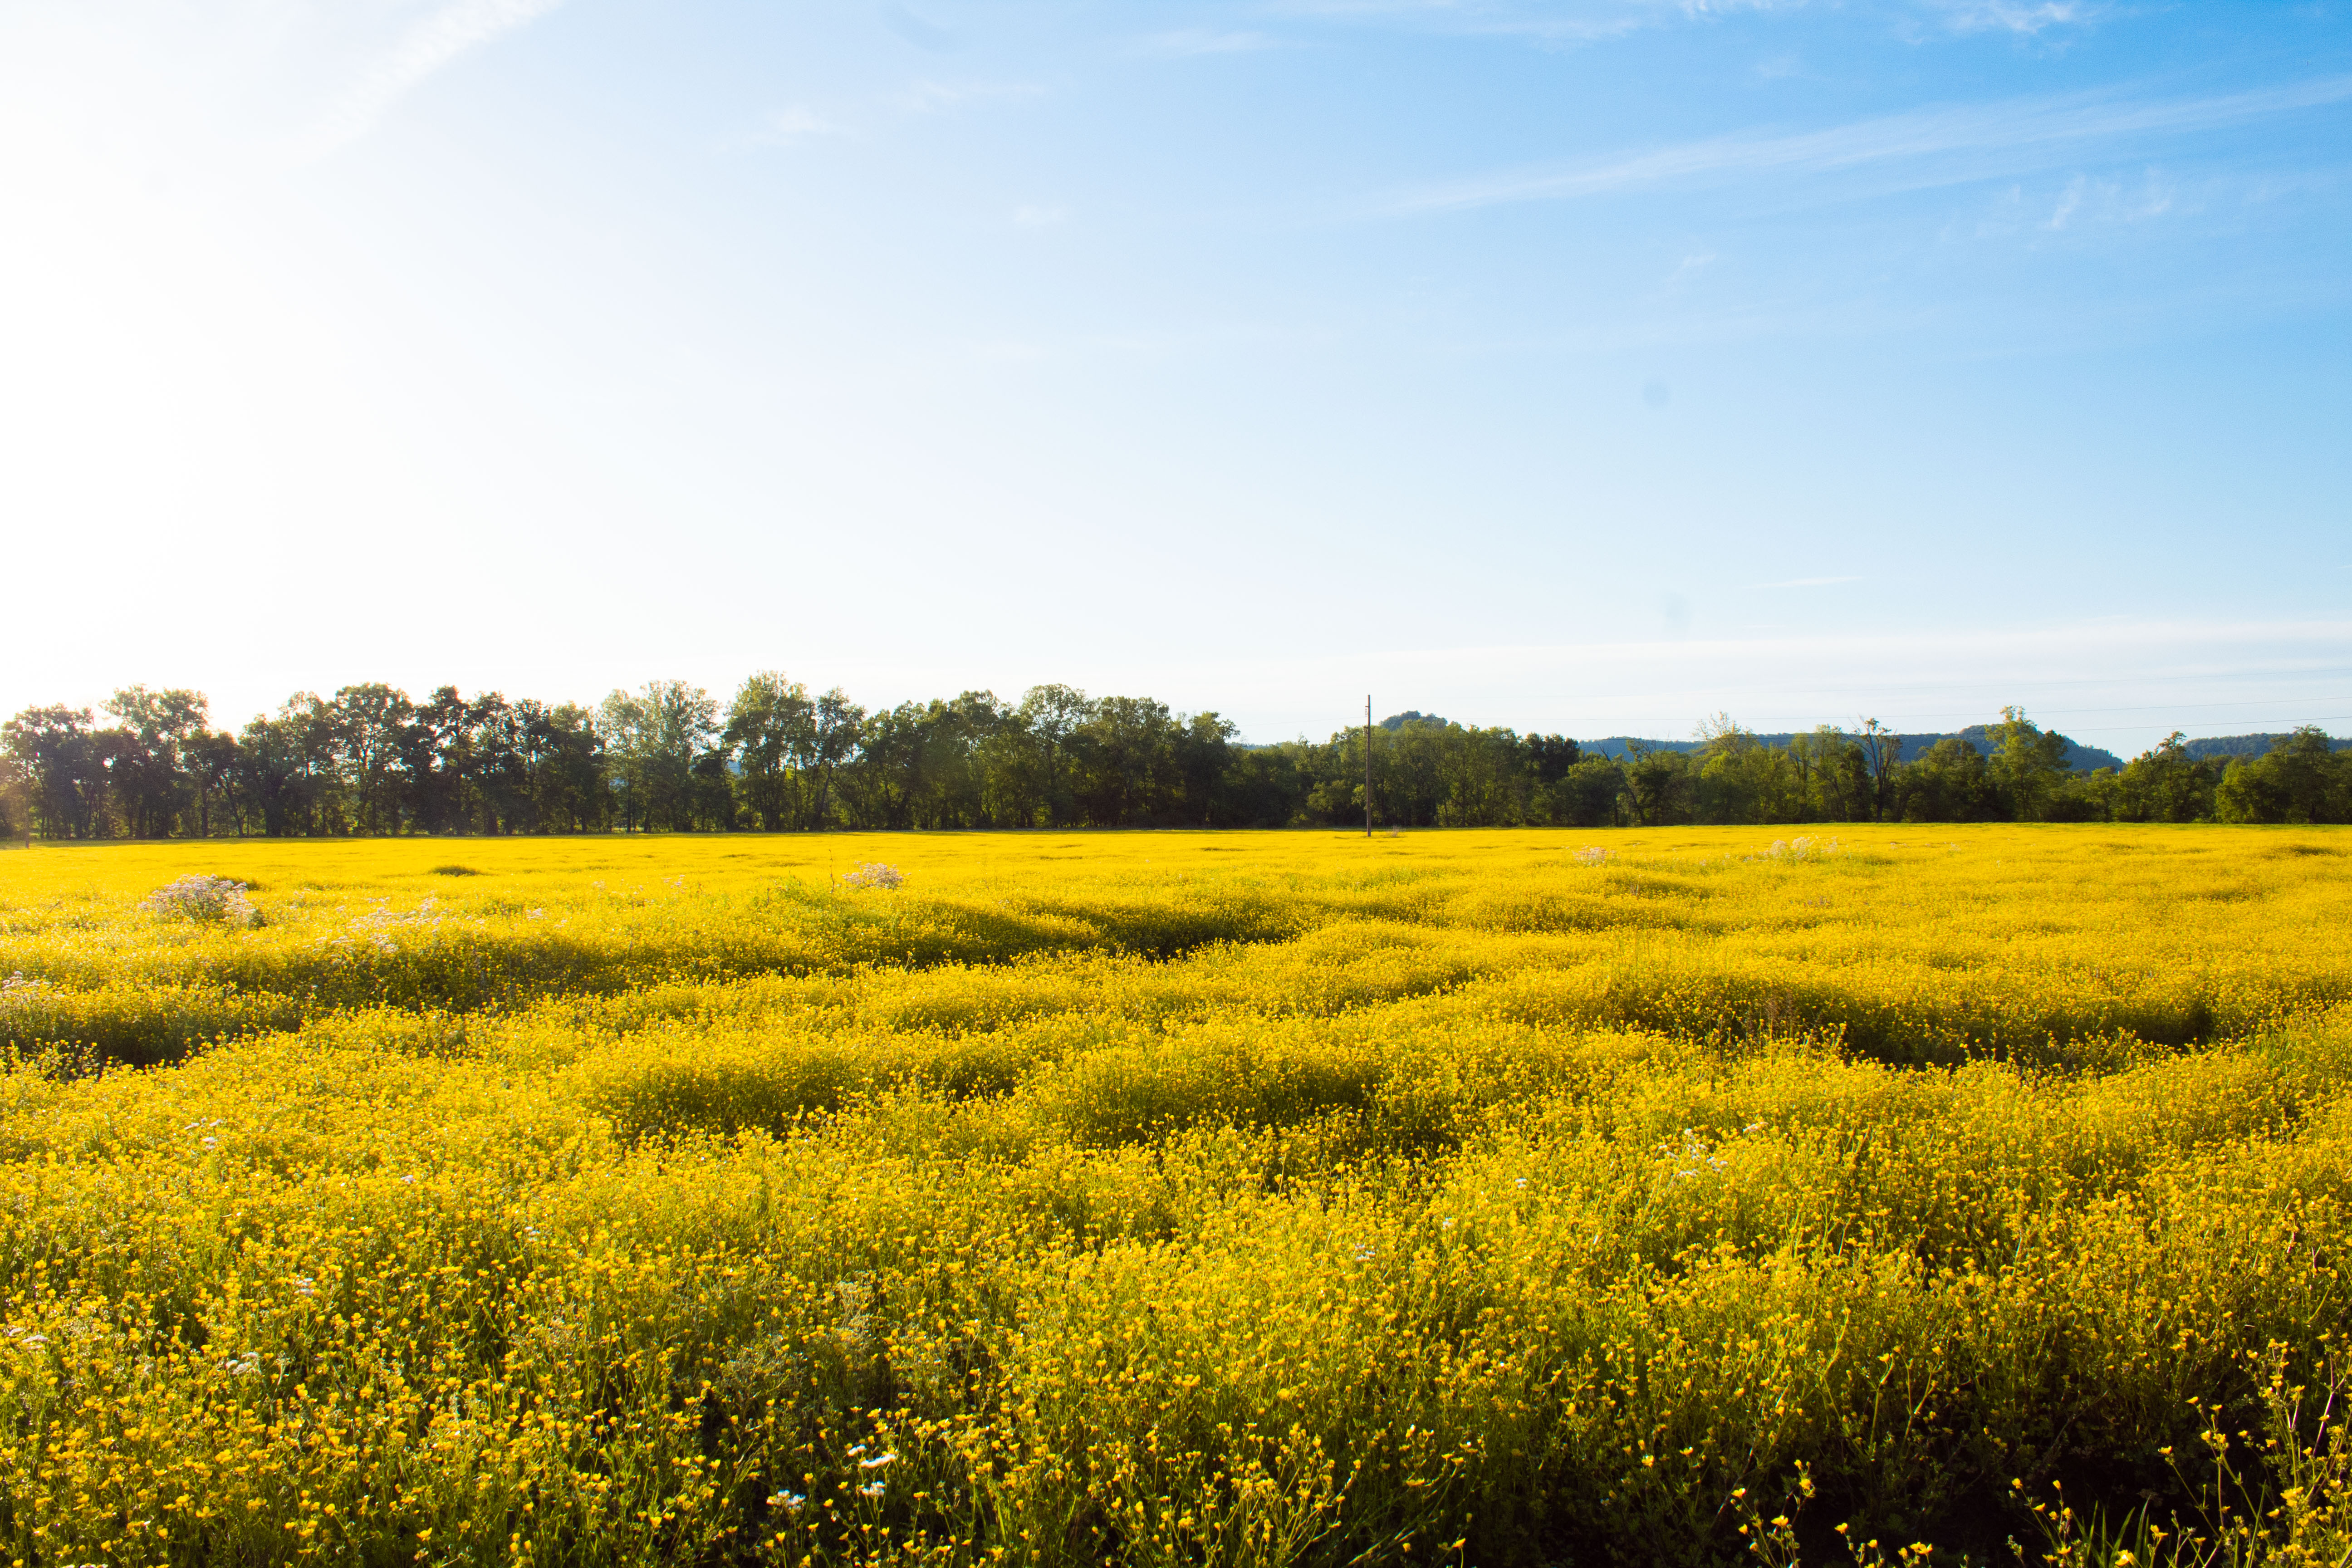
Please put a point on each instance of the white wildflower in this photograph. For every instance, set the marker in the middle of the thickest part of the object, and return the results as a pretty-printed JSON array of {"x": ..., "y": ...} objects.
[
  {"x": 211, "y": 900},
  {"x": 873, "y": 873}
]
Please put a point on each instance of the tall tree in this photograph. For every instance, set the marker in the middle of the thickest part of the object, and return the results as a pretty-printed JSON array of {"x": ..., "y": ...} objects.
[
  {"x": 149, "y": 784},
  {"x": 209, "y": 759},
  {"x": 1741, "y": 779},
  {"x": 655, "y": 735},
  {"x": 1882, "y": 751},
  {"x": 2027, "y": 764},
  {"x": 436, "y": 757},
  {"x": 2301, "y": 779},
  {"x": 563, "y": 758},
  {"x": 375, "y": 746},
  {"x": 833, "y": 738},
  {"x": 15, "y": 800},
  {"x": 1205, "y": 757},
  {"x": 2165, "y": 784},
  {"x": 1657, "y": 784},
  {"x": 1947, "y": 785},
  {"x": 289, "y": 775},
  {"x": 58, "y": 749},
  {"x": 772, "y": 728},
  {"x": 1123, "y": 762}
]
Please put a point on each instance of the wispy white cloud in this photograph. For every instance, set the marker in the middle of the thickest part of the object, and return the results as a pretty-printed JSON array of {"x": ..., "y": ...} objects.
[
  {"x": 2020, "y": 130},
  {"x": 1538, "y": 22},
  {"x": 1203, "y": 41},
  {"x": 1591, "y": 25},
  {"x": 1589, "y": 21},
  {"x": 2010, "y": 16},
  {"x": 921, "y": 32},
  {"x": 800, "y": 123},
  {"x": 449, "y": 32},
  {"x": 938, "y": 97},
  {"x": 2084, "y": 203},
  {"x": 2067, "y": 203},
  {"x": 1687, "y": 271}
]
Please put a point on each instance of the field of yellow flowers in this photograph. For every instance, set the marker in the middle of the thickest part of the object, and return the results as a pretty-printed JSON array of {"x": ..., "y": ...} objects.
[{"x": 1492, "y": 1198}]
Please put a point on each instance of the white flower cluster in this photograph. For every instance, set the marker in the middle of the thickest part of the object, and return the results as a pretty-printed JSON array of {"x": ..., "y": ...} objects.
[
  {"x": 1693, "y": 1157},
  {"x": 875, "y": 1487},
  {"x": 1592, "y": 855},
  {"x": 213, "y": 900},
  {"x": 1804, "y": 848},
  {"x": 17, "y": 988},
  {"x": 378, "y": 927},
  {"x": 873, "y": 873}
]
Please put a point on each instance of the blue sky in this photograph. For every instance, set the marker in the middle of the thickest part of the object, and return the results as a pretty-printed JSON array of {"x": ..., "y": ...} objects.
[{"x": 1586, "y": 367}]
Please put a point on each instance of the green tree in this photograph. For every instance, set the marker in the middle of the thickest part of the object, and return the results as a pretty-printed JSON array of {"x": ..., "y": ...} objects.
[
  {"x": 1204, "y": 758},
  {"x": 564, "y": 763},
  {"x": 209, "y": 762},
  {"x": 373, "y": 746},
  {"x": 1484, "y": 778},
  {"x": 1590, "y": 794},
  {"x": 288, "y": 779},
  {"x": 1265, "y": 786},
  {"x": 1124, "y": 757},
  {"x": 890, "y": 776},
  {"x": 1882, "y": 753},
  {"x": 149, "y": 781},
  {"x": 1032, "y": 773},
  {"x": 1949, "y": 783},
  {"x": 15, "y": 800},
  {"x": 1657, "y": 786},
  {"x": 2165, "y": 784},
  {"x": 496, "y": 772},
  {"x": 59, "y": 752},
  {"x": 438, "y": 763},
  {"x": 771, "y": 726},
  {"x": 833, "y": 742},
  {"x": 1742, "y": 780},
  {"x": 1834, "y": 779},
  {"x": 655, "y": 735},
  {"x": 2028, "y": 764},
  {"x": 2301, "y": 779}
]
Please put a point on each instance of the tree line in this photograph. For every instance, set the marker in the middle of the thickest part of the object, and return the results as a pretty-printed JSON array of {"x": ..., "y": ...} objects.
[{"x": 670, "y": 757}]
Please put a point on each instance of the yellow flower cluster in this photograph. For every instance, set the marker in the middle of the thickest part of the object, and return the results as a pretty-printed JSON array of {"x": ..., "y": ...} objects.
[{"x": 1160, "y": 1198}]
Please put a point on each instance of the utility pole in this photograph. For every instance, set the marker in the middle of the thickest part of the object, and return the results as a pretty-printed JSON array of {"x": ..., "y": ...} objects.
[{"x": 1368, "y": 765}]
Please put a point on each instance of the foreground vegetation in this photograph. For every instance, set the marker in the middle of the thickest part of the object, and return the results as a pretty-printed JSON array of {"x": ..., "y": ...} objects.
[{"x": 1187, "y": 1197}]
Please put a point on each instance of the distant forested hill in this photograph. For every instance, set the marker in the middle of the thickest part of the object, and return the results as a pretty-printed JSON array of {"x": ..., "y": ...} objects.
[
  {"x": 2079, "y": 757},
  {"x": 2242, "y": 745}
]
